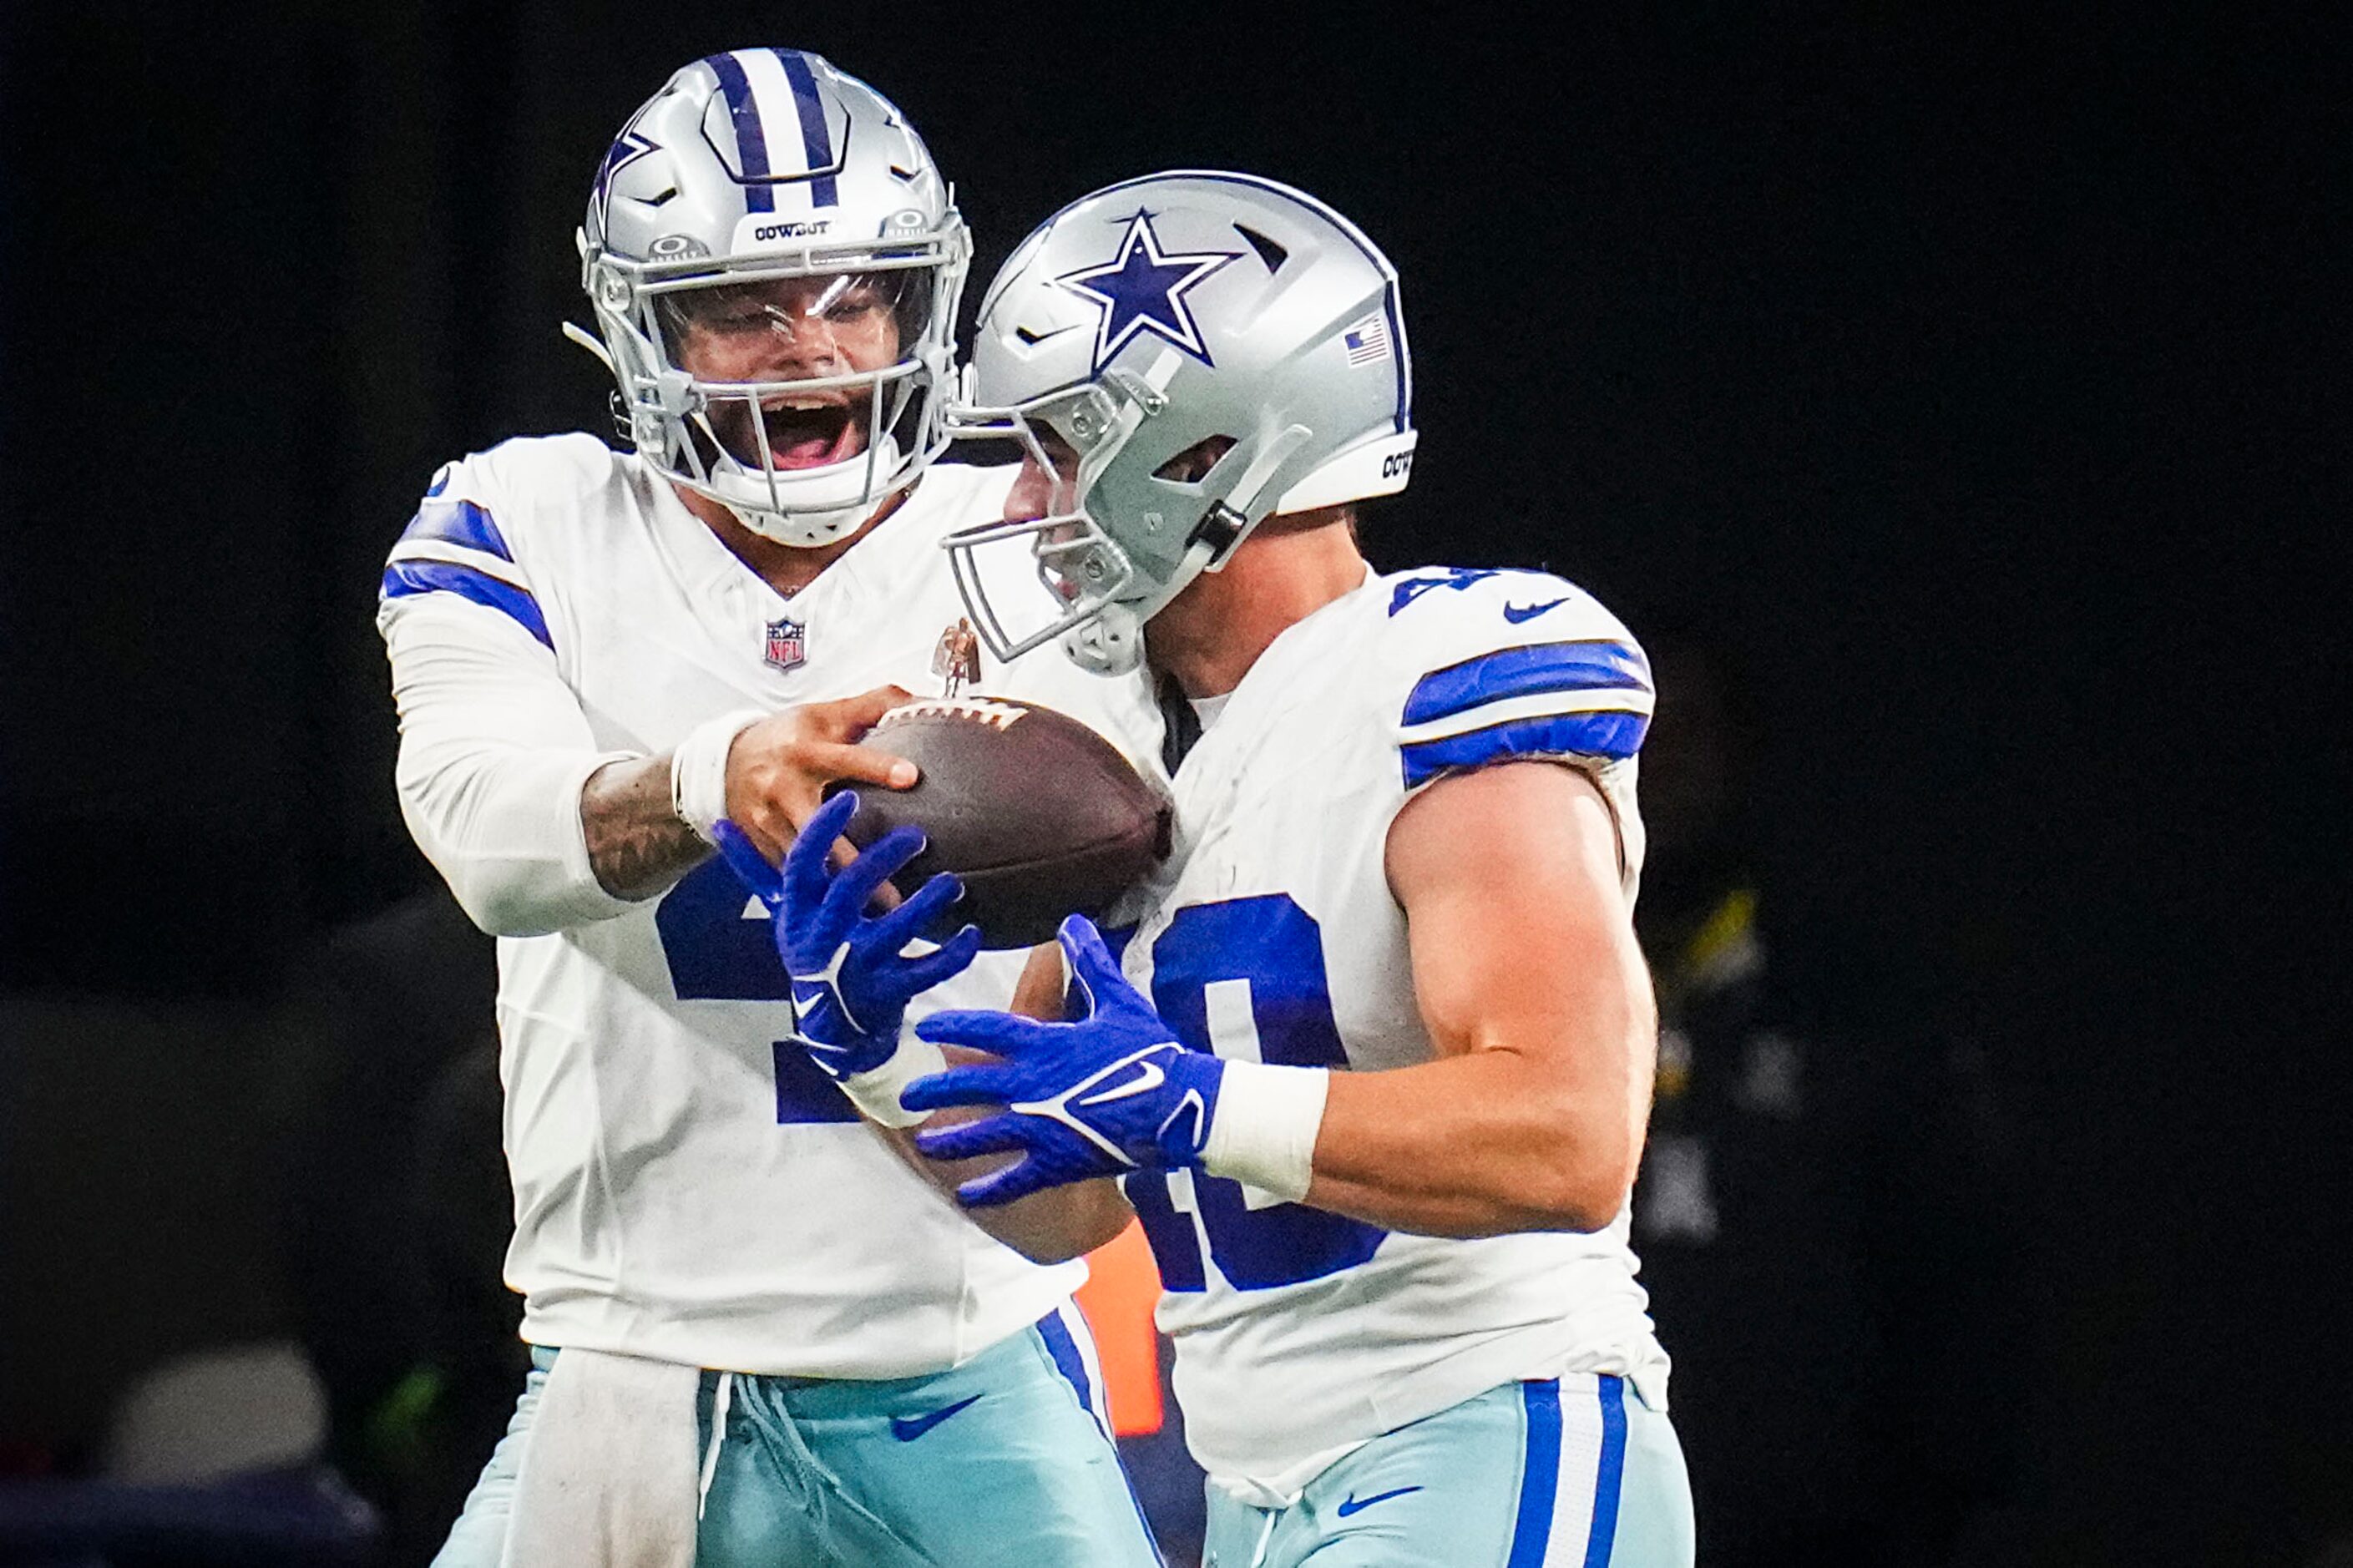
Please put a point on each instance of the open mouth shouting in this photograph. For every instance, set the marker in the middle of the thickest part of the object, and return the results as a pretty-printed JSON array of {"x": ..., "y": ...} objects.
[
  {"x": 802, "y": 434},
  {"x": 811, "y": 436}
]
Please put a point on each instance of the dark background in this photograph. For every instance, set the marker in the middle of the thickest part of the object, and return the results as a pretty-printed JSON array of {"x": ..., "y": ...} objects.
[{"x": 1973, "y": 385}]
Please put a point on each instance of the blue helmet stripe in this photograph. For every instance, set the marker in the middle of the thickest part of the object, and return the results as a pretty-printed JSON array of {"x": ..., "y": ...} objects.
[
  {"x": 815, "y": 145},
  {"x": 1592, "y": 664},
  {"x": 458, "y": 523},
  {"x": 750, "y": 138},
  {"x": 1404, "y": 372},
  {"x": 404, "y": 578},
  {"x": 1613, "y": 733}
]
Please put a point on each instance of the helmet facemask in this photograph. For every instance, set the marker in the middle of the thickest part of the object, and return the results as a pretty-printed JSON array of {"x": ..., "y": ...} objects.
[
  {"x": 1114, "y": 542},
  {"x": 803, "y": 459}
]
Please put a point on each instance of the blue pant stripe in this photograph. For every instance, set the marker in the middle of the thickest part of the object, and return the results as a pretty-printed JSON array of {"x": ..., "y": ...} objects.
[
  {"x": 1072, "y": 1365},
  {"x": 1067, "y": 1360},
  {"x": 1609, "y": 1475},
  {"x": 1539, "y": 1474}
]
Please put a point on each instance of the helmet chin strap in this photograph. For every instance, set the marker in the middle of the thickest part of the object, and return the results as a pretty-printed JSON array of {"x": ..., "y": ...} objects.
[
  {"x": 1110, "y": 644},
  {"x": 1112, "y": 641},
  {"x": 807, "y": 526},
  {"x": 803, "y": 528}
]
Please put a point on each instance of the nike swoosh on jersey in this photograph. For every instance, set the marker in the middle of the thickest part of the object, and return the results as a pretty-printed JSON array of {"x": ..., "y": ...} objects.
[
  {"x": 1350, "y": 1504},
  {"x": 1516, "y": 614},
  {"x": 907, "y": 1428}
]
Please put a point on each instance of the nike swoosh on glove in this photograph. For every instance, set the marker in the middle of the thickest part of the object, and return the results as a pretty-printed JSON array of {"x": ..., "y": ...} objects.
[
  {"x": 851, "y": 981},
  {"x": 1109, "y": 1092}
]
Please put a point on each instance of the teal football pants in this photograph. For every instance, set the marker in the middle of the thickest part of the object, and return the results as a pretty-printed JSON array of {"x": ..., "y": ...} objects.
[
  {"x": 1572, "y": 1472},
  {"x": 1004, "y": 1462}
]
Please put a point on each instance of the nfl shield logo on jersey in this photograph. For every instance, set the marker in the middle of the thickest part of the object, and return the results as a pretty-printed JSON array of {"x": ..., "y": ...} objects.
[{"x": 788, "y": 644}]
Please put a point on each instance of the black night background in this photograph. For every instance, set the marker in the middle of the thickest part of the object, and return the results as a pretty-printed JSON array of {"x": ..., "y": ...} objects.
[{"x": 1965, "y": 390}]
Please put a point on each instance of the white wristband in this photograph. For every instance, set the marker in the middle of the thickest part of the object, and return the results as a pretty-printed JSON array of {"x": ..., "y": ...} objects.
[
  {"x": 876, "y": 1092},
  {"x": 697, "y": 771},
  {"x": 1263, "y": 1134}
]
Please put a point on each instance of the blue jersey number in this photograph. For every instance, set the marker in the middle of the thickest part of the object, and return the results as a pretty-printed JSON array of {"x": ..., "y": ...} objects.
[
  {"x": 718, "y": 949},
  {"x": 1265, "y": 952}
]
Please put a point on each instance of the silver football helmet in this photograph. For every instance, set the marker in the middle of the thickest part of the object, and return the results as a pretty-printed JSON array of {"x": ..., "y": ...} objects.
[
  {"x": 780, "y": 224},
  {"x": 1212, "y": 349}
]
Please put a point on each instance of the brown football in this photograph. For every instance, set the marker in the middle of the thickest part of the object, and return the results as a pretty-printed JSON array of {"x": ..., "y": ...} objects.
[{"x": 1040, "y": 817}]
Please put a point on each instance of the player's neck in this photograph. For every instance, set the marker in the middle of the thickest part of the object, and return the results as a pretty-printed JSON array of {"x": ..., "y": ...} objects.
[
  {"x": 1208, "y": 637},
  {"x": 787, "y": 568}
]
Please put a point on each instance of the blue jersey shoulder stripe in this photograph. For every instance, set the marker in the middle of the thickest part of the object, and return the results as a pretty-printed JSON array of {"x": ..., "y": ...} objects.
[
  {"x": 458, "y": 523},
  {"x": 1615, "y": 734},
  {"x": 404, "y": 578},
  {"x": 1589, "y": 664}
]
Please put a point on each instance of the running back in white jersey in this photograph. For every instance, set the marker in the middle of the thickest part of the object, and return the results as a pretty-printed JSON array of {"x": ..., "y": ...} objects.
[
  {"x": 688, "y": 1186},
  {"x": 1270, "y": 934}
]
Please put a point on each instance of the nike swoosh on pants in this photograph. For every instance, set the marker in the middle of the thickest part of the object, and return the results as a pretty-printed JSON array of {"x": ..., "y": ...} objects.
[
  {"x": 907, "y": 1428},
  {"x": 1349, "y": 1504}
]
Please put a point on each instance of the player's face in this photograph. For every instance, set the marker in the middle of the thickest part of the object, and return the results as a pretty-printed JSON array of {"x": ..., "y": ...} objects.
[
  {"x": 1047, "y": 470},
  {"x": 1072, "y": 559},
  {"x": 789, "y": 329},
  {"x": 1048, "y": 481}
]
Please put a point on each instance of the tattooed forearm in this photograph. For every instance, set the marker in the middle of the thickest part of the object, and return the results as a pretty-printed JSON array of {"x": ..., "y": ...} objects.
[{"x": 637, "y": 844}]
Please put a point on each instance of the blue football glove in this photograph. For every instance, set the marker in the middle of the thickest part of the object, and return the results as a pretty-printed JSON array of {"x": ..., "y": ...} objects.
[
  {"x": 850, "y": 982},
  {"x": 1109, "y": 1092}
]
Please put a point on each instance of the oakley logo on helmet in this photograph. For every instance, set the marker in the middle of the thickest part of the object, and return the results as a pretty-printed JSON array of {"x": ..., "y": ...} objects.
[{"x": 1142, "y": 288}]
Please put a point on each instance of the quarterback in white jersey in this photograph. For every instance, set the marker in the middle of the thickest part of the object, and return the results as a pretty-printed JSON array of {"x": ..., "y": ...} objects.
[
  {"x": 753, "y": 1315},
  {"x": 1376, "y": 1056}
]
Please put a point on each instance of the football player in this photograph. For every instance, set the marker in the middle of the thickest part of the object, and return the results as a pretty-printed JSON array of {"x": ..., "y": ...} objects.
[
  {"x": 1375, "y": 1063},
  {"x": 763, "y": 1335}
]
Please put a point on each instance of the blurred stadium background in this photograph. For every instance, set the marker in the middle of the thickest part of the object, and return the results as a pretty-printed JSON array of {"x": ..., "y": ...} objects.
[{"x": 1952, "y": 400}]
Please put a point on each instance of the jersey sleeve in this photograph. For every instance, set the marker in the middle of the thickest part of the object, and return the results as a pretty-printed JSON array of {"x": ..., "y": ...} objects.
[
  {"x": 1514, "y": 666},
  {"x": 495, "y": 748}
]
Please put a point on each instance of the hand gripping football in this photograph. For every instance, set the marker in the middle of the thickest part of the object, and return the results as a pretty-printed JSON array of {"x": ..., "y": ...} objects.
[{"x": 1040, "y": 815}]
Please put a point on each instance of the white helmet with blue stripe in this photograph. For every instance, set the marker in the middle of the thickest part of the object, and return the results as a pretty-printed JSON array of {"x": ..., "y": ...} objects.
[
  {"x": 780, "y": 215},
  {"x": 1214, "y": 349}
]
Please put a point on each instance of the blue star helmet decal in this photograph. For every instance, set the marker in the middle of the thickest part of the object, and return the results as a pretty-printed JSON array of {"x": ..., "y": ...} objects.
[
  {"x": 626, "y": 149},
  {"x": 1142, "y": 288}
]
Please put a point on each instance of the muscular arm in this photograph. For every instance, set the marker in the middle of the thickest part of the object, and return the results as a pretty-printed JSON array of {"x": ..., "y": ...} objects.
[
  {"x": 1536, "y": 997},
  {"x": 1049, "y": 1226}
]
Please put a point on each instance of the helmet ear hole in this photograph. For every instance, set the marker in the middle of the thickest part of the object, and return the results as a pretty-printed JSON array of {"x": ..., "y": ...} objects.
[{"x": 1193, "y": 464}]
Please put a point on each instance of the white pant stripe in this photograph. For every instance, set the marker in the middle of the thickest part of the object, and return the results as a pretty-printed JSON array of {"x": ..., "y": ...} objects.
[{"x": 1580, "y": 1464}]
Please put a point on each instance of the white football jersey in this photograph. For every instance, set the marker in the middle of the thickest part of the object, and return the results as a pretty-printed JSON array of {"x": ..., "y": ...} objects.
[
  {"x": 688, "y": 1186},
  {"x": 1270, "y": 934}
]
